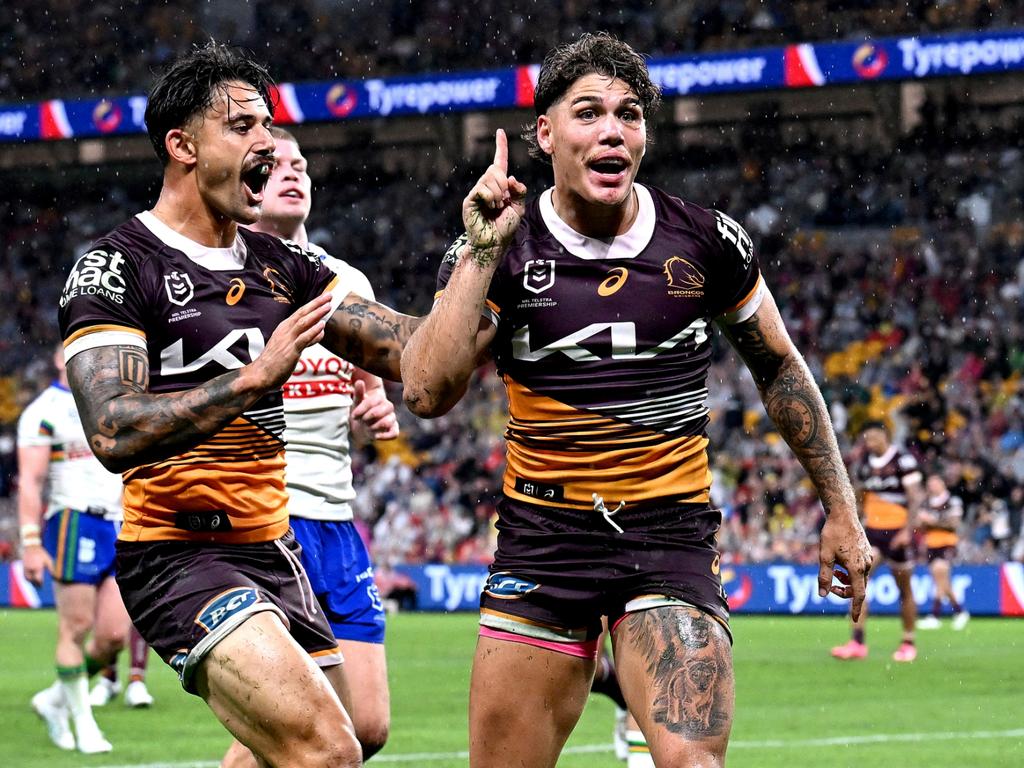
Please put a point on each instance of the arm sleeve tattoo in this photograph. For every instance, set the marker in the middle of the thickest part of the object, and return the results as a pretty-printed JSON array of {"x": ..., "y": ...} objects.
[
  {"x": 127, "y": 426},
  {"x": 370, "y": 335},
  {"x": 794, "y": 403}
]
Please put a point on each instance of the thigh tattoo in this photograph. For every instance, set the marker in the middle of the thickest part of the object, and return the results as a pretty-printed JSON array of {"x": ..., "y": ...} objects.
[{"x": 689, "y": 668}]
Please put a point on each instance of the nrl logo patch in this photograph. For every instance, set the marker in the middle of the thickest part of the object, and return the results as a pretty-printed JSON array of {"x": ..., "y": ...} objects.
[
  {"x": 539, "y": 275},
  {"x": 179, "y": 288}
]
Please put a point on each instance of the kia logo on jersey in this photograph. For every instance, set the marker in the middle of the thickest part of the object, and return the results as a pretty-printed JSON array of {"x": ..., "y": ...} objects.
[
  {"x": 179, "y": 288},
  {"x": 539, "y": 275}
]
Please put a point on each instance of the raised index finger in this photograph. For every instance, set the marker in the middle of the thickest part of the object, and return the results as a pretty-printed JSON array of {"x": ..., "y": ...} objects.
[{"x": 501, "y": 150}]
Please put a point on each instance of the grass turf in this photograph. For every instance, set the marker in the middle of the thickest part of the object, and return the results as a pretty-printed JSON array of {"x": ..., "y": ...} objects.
[{"x": 959, "y": 704}]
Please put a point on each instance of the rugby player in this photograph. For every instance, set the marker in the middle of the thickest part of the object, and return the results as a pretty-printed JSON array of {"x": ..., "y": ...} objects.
[
  {"x": 594, "y": 299},
  {"x": 940, "y": 518},
  {"x": 71, "y": 536},
  {"x": 890, "y": 482},
  {"x": 322, "y": 396},
  {"x": 179, "y": 329}
]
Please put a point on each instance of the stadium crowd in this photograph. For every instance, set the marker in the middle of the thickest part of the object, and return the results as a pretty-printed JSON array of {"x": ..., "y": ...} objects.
[
  {"x": 118, "y": 45},
  {"x": 900, "y": 278}
]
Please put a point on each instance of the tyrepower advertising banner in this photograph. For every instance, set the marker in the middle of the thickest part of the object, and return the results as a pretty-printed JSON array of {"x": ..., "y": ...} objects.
[
  {"x": 779, "y": 588},
  {"x": 805, "y": 65}
]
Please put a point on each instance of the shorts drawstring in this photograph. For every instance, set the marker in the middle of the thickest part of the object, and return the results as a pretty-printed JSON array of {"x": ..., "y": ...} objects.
[
  {"x": 300, "y": 575},
  {"x": 607, "y": 513}
]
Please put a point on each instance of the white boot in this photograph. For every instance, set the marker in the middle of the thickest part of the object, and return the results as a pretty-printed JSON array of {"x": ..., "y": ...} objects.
[
  {"x": 137, "y": 695},
  {"x": 104, "y": 690},
  {"x": 52, "y": 709}
]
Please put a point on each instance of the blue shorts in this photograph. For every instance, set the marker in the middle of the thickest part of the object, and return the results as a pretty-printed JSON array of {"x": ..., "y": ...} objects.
[
  {"x": 340, "y": 571},
  {"x": 81, "y": 545}
]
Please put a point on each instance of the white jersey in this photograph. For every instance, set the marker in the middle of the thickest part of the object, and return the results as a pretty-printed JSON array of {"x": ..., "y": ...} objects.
[
  {"x": 76, "y": 478},
  {"x": 317, "y": 402}
]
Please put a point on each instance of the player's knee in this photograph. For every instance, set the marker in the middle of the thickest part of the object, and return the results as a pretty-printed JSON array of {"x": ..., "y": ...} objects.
[
  {"x": 109, "y": 641},
  {"x": 75, "y": 628},
  {"x": 372, "y": 737},
  {"x": 690, "y": 754},
  {"x": 317, "y": 747},
  {"x": 336, "y": 751}
]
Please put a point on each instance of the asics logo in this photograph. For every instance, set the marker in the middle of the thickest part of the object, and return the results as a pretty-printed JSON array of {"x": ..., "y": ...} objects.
[
  {"x": 235, "y": 291},
  {"x": 615, "y": 280}
]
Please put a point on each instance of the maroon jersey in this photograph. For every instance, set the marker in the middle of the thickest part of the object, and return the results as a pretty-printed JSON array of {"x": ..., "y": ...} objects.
[
  {"x": 198, "y": 312},
  {"x": 604, "y": 349},
  {"x": 884, "y": 480}
]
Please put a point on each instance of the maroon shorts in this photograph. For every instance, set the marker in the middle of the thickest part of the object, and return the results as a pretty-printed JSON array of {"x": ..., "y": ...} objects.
[
  {"x": 941, "y": 553},
  {"x": 557, "y": 571},
  {"x": 185, "y": 597},
  {"x": 881, "y": 539}
]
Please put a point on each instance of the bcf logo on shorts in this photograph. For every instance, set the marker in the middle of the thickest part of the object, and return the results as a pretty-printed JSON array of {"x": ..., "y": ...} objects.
[
  {"x": 508, "y": 587},
  {"x": 226, "y": 605}
]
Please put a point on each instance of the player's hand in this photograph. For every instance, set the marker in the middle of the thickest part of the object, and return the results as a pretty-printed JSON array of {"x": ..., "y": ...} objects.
[
  {"x": 494, "y": 207},
  {"x": 305, "y": 326},
  {"x": 35, "y": 561},
  {"x": 843, "y": 543},
  {"x": 373, "y": 409}
]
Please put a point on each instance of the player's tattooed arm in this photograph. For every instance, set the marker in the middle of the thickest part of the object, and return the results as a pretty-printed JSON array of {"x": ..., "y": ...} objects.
[
  {"x": 441, "y": 356},
  {"x": 128, "y": 426},
  {"x": 793, "y": 401},
  {"x": 370, "y": 335}
]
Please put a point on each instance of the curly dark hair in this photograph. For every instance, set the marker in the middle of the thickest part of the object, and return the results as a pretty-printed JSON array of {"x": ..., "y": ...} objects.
[
  {"x": 599, "y": 53},
  {"x": 189, "y": 87}
]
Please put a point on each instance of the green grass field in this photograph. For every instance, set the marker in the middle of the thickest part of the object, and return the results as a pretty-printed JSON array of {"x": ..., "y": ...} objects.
[{"x": 960, "y": 704}]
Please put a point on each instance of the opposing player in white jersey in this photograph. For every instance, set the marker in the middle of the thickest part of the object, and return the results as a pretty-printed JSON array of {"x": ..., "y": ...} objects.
[
  {"x": 72, "y": 536},
  {"x": 325, "y": 394}
]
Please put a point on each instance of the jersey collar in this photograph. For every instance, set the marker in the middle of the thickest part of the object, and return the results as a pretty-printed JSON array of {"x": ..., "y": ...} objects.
[
  {"x": 214, "y": 259},
  {"x": 628, "y": 245}
]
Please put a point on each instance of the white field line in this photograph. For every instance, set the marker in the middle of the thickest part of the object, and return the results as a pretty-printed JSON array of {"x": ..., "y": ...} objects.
[{"x": 833, "y": 741}]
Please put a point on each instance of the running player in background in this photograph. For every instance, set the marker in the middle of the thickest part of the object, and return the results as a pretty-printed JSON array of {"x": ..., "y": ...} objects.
[
  {"x": 76, "y": 545},
  {"x": 940, "y": 520},
  {"x": 891, "y": 484},
  {"x": 108, "y": 683},
  {"x": 180, "y": 329},
  {"x": 594, "y": 300},
  {"x": 325, "y": 394}
]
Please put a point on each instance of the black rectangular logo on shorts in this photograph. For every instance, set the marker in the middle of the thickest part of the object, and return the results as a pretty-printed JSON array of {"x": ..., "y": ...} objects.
[
  {"x": 213, "y": 521},
  {"x": 541, "y": 491}
]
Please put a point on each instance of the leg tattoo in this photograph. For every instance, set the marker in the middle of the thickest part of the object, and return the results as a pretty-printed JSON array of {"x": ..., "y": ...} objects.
[{"x": 689, "y": 668}]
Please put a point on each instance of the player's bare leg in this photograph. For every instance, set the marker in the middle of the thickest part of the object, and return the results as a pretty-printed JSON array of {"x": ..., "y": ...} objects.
[
  {"x": 943, "y": 586},
  {"x": 549, "y": 690},
  {"x": 240, "y": 756},
  {"x": 908, "y": 612},
  {"x": 111, "y": 624},
  {"x": 675, "y": 665},
  {"x": 272, "y": 697},
  {"x": 941, "y": 571},
  {"x": 366, "y": 671},
  {"x": 77, "y": 610}
]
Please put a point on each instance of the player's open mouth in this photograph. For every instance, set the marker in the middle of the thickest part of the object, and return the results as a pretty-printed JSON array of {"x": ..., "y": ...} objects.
[
  {"x": 609, "y": 168},
  {"x": 255, "y": 179}
]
